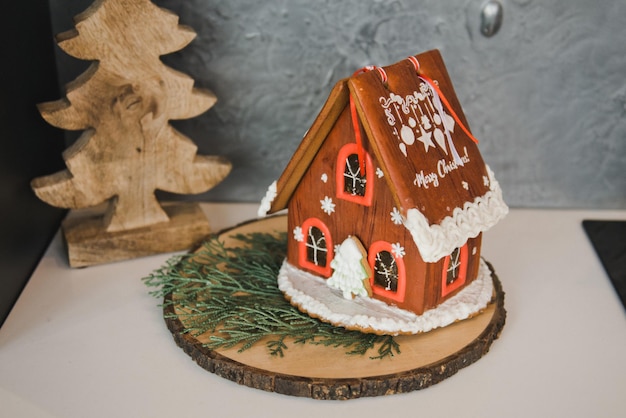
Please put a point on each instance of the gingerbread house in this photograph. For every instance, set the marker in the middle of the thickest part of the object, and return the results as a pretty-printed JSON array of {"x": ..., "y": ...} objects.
[{"x": 389, "y": 160}]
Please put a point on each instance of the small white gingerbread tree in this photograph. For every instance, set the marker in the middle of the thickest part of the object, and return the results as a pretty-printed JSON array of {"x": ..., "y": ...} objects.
[
  {"x": 351, "y": 271},
  {"x": 124, "y": 102}
]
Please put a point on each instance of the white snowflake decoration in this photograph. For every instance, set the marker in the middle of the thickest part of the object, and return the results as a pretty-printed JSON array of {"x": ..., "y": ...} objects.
[
  {"x": 379, "y": 172},
  {"x": 327, "y": 205},
  {"x": 297, "y": 234},
  {"x": 397, "y": 250},
  {"x": 325, "y": 177},
  {"x": 486, "y": 181},
  {"x": 396, "y": 216},
  {"x": 465, "y": 185}
]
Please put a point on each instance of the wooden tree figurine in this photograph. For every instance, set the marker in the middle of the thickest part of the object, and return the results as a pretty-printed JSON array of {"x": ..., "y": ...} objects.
[{"x": 128, "y": 149}]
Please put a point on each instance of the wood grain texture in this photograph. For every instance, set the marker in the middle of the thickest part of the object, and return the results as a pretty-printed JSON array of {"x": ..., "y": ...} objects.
[
  {"x": 327, "y": 373},
  {"x": 311, "y": 144},
  {"x": 88, "y": 243},
  {"x": 124, "y": 102},
  {"x": 404, "y": 84}
]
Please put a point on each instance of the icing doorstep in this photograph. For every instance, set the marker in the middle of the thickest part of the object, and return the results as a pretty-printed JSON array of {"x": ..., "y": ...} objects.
[
  {"x": 311, "y": 294},
  {"x": 439, "y": 240}
]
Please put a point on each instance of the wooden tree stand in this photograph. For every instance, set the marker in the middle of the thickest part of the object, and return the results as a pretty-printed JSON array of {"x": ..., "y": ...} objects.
[
  {"x": 321, "y": 372},
  {"x": 128, "y": 149},
  {"x": 89, "y": 243}
]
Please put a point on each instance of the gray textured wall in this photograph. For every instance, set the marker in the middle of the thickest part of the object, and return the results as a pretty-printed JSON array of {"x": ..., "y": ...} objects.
[{"x": 546, "y": 96}]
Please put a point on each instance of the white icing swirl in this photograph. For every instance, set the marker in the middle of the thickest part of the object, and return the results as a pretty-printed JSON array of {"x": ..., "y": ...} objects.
[
  {"x": 266, "y": 203},
  {"x": 439, "y": 240}
]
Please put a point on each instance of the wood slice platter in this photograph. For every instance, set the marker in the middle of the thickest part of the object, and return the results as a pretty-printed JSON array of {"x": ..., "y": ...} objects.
[{"x": 322, "y": 372}]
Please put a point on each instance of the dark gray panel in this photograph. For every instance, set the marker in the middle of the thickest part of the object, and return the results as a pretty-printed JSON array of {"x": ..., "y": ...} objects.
[{"x": 29, "y": 146}]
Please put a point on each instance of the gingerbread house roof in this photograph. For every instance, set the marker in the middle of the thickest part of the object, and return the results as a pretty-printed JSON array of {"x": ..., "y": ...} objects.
[{"x": 439, "y": 181}]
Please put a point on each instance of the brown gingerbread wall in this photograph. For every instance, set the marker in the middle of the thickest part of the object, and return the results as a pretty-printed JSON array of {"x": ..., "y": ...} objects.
[{"x": 369, "y": 224}]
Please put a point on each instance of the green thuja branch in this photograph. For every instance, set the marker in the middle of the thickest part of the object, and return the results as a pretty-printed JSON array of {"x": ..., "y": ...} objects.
[{"x": 231, "y": 293}]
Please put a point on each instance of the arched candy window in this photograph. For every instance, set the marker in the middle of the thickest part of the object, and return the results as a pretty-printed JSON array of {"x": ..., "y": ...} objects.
[
  {"x": 389, "y": 277},
  {"x": 352, "y": 184},
  {"x": 454, "y": 270},
  {"x": 315, "y": 251}
]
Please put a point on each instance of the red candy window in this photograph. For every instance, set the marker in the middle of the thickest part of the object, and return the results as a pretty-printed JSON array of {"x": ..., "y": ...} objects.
[
  {"x": 352, "y": 184},
  {"x": 454, "y": 270},
  {"x": 389, "y": 277},
  {"x": 315, "y": 251}
]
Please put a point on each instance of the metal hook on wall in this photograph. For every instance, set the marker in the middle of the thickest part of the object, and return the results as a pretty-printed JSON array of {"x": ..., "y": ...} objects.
[{"x": 491, "y": 18}]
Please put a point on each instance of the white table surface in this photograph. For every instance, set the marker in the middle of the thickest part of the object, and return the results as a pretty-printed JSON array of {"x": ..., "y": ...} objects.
[{"x": 92, "y": 343}]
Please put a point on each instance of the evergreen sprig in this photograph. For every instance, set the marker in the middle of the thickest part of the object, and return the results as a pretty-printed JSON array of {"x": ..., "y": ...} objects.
[{"x": 231, "y": 293}]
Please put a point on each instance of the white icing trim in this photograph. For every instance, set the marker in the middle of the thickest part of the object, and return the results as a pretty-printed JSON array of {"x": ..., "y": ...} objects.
[
  {"x": 439, "y": 240},
  {"x": 266, "y": 203},
  {"x": 311, "y": 295}
]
